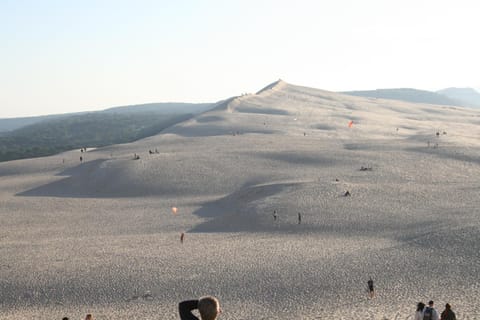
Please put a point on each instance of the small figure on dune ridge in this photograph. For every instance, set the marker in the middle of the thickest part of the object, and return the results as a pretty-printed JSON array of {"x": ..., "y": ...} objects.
[
  {"x": 347, "y": 194},
  {"x": 182, "y": 237}
]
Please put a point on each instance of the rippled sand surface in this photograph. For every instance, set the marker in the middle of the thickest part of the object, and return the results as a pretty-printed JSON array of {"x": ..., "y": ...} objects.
[{"x": 100, "y": 236}]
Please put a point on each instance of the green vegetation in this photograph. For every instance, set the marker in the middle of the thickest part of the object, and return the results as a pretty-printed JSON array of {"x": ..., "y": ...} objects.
[{"x": 95, "y": 129}]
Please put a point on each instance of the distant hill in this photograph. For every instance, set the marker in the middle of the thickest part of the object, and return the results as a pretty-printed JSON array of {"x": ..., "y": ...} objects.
[
  {"x": 467, "y": 96},
  {"x": 11, "y": 124},
  {"x": 163, "y": 108},
  {"x": 53, "y": 134},
  {"x": 407, "y": 94}
]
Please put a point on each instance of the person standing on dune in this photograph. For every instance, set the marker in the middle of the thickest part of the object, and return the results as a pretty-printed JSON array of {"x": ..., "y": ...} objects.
[
  {"x": 371, "y": 289},
  {"x": 419, "y": 312},
  {"x": 448, "y": 314},
  {"x": 430, "y": 313}
]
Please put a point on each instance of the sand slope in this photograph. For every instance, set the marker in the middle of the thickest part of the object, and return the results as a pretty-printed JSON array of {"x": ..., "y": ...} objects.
[{"x": 100, "y": 236}]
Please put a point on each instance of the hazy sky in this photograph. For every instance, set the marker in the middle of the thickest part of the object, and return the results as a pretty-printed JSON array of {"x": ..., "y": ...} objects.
[{"x": 75, "y": 55}]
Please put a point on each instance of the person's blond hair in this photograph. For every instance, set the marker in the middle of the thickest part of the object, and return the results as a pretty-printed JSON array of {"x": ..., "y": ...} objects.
[{"x": 209, "y": 308}]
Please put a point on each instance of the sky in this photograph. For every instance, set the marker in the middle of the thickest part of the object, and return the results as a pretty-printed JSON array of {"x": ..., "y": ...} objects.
[{"x": 83, "y": 55}]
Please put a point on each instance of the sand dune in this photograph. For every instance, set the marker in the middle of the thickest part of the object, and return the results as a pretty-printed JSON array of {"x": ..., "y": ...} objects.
[{"x": 99, "y": 235}]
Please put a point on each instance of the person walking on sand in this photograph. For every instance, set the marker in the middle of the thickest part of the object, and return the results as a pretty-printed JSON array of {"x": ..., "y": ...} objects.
[
  {"x": 274, "y": 215},
  {"x": 430, "y": 313},
  {"x": 371, "y": 289},
  {"x": 299, "y": 218},
  {"x": 182, "y": 237},
  {"x": 208, "y": 307},
  {"x": 419, "y": 312},
  {"x": 448, "y": 314}
]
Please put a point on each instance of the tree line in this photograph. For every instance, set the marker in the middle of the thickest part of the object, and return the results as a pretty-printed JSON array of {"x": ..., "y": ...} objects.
[{"x": 85, "y": 130}]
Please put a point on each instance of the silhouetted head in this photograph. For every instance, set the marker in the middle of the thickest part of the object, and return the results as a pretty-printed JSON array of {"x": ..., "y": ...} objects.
[
  {"x": 209, "y": 308},
  {"x": 430, "y": 303},
  {"x": 89, "y": 317},
  {"x": 448, "y": 307},
  {"x": 420, "y": 306}
]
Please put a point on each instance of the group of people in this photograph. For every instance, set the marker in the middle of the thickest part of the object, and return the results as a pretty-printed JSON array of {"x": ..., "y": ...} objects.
[
  {"x": 88, "y": 317},
  {"x": 430, "y": 313},
  {"x": 423, "y": 312},
  {"x": 299, "y": 216},
  {"x": 209, "y": 309}
]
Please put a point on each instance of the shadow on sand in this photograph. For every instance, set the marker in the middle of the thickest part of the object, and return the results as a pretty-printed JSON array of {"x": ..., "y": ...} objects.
[
  {"x": 235, "y": 212},
  {"x": 92, "y": 180}
]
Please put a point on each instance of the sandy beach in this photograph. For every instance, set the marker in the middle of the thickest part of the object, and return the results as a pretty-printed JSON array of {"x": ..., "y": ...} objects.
[{"x": 100, "y": 236}]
